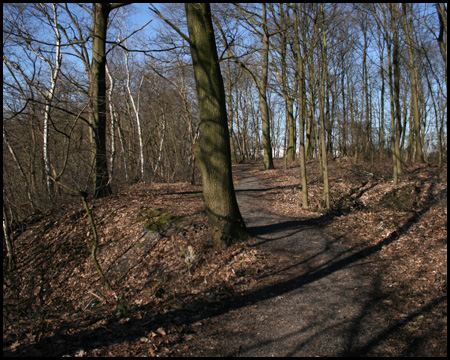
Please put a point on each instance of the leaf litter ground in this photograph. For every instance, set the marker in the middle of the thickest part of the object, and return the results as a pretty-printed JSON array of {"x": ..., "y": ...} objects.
[{"x": 368, "y": 277}]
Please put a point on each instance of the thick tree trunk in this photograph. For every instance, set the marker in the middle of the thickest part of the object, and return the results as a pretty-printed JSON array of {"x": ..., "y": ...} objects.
[
  {"x": 97, "y": 95},
  {"x": 213, "y": 146}
]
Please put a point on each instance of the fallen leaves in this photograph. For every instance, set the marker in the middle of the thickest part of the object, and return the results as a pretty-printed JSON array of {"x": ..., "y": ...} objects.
[
  {"x": 159, "y": 270},
  {"x": 409, "y": 219},
  {"x": 56, "y": 285}
]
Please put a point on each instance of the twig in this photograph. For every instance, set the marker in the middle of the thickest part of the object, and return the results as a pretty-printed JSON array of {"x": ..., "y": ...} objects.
[{"x": 97, "y": 296}]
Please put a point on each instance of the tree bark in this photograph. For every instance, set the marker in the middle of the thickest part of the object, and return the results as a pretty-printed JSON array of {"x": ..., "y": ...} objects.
[
  {"x": 267, "y": 142},
  {"x": 368, "y": 148},
  {"x": 54, "y": 74},
  {"x": 414, "y": 90},
  {"x": 395, "y": 98},
  {"x": 301, "y": 111},
  {"x": 97, "y": 97},
  {"x": 113, "y": 124},
  {"x": 9, "y": 241},
  {"x": 136, "y": 109},
  {"x": 442, "y": 38},
  {"x": 326, "y": 187},
  {"x": 213, "y": 146}
]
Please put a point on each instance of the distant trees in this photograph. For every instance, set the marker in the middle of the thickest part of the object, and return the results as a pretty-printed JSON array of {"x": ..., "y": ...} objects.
[
  {"x": 18, "y": 31},
  {"x": 257, "y": 22},
  {"x": 301, "y": 81}
]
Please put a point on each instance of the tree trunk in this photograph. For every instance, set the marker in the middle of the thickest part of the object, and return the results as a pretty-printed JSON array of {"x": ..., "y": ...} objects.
[
  {"x": 442, "y": 39},
  {"x": 381, "y": 138},
  {"x": 368, "y": 147},
  {"x": 267, "y": 143},
  {"x": 136, "y": 109},
  {"x": 289, "y": 100},
  {"x": 54, "y": 74},
  {"x": 231, "y": 111},
  {"x": 326, "y": 188},
  {"x": 113, "y": 124},
  {"x": 292, "y": 131},
  {"x": 213, "y": 147},
  {"x": 414, "y": 90},
  {"x": 395, "y": 98},
  {"x": 9, "y": 241},
  {"x": 97, "y": 96},
  {"x": 301, "y": 110}
]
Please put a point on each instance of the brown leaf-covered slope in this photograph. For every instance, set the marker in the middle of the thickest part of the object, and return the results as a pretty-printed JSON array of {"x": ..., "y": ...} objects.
[
  {"x": 168, "y": 281},
  {"x": 154, "y": 249}
]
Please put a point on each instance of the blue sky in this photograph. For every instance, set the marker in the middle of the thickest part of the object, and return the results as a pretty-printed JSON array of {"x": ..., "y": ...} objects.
[{"x": 142, "y": 14}]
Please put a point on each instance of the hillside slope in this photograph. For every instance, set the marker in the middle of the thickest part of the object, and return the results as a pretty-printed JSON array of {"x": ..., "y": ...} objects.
[{"x": 168, "y": 282}]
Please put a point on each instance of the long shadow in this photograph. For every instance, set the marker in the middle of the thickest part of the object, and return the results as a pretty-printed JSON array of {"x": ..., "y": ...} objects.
[
  {"x": 264, "y": 189},
  {"x": 193, "y": 192},
  {"x": 299, "y": 225},
  {"x": 389, "y": 331},
  {"x": 116, "y": 332},
  {"x": 133, "y": 329}
]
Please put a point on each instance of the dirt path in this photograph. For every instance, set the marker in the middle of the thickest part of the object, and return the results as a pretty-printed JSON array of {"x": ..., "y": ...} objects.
[{"x": 315, "y": 302}]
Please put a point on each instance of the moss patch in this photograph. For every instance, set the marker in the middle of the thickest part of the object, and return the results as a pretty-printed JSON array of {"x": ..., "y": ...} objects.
[{"x": 157, "y": 220}]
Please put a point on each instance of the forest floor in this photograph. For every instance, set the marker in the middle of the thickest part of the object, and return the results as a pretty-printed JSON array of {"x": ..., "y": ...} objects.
[{"x": 368, "y": 277}]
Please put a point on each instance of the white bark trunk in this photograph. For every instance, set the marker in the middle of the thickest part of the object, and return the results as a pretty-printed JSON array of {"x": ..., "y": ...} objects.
[
  {"x": 113, "y": 123},
  {"x": 136, "y": 113},
  {"x": 161, "y": 144},
  {"x": 54, "y": 77}
]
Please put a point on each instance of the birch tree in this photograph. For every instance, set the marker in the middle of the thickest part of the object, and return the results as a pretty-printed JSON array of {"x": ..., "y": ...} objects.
[
  {"x": 54, "y": 74},
  {"x": 135, "y": 104},
  {"x": 36, "y": 46}
]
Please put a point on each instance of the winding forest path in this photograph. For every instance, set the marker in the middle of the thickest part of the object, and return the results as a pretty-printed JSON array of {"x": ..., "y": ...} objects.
[{"x": 315, "y": 302}]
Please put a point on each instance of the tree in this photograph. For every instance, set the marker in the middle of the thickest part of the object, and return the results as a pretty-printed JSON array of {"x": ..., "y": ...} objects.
[
  {"x": 268, "y": 161},
  {"x": 97, "y": 97},
  {"x": 54, "y": 71},
  {"x": 213, "y": 146},
  {"x": 442, "y": 38},
  {"x": 324, "y": 71},
  {"x": 395, "y": 97},
  {"x": 301, "y": 106},
  {"x": 136, "y": 110},
  {"x": 414, "y": 85}
]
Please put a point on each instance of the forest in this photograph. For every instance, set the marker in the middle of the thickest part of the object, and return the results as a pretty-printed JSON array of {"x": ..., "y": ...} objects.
[{"x": 144, "y": 122}]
